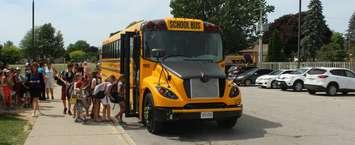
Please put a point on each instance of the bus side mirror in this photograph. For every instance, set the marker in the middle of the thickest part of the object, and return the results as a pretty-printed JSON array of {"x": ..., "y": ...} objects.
[{"x": 158, "y": 53}]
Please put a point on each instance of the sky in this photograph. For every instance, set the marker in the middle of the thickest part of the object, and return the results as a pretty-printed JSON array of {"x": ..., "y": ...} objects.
[{"x": 93, "y": 20}]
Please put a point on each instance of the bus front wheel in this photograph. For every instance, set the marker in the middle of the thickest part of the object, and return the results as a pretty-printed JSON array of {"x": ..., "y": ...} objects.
[
  {"x": 149, "y": 120},
  {"x": 227, "y": 122}
]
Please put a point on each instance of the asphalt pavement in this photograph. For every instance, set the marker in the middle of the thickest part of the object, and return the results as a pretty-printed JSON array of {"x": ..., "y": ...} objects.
[{"x": 271, "y": 117}]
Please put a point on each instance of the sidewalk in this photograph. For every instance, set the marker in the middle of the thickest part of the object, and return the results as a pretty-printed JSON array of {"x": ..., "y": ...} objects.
[{"x": 55, "y": 128}]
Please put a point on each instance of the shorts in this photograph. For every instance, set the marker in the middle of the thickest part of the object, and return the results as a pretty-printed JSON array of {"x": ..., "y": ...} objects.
[
  {"x": 35, "y": 92},
  {"x": 49, "y": 83},
  {"x": 117, "y": 98},
  {"x": 79, "y": 106},
  {"x": 105, "y": 101}
]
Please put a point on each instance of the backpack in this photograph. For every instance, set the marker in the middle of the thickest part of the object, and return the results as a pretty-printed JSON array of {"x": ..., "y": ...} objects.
[
  {"x": 58, "y": 80},
  {"x": 116, "y": 96},
  {"x": 101, "y": 94}
]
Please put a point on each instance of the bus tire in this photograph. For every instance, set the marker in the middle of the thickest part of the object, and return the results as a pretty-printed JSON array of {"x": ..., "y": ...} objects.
[
  {"x": 227, "y": 123},
  {"x": 148, "y": 115}
]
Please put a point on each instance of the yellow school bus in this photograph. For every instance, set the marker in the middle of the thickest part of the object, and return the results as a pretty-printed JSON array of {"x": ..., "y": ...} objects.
[{"x": 173, "y": 70}]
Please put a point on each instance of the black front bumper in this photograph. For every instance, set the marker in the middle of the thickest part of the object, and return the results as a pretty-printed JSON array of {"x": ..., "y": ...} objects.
[
  {"x": 314, "y": 88},
  {"x": 167, "y": 114}
]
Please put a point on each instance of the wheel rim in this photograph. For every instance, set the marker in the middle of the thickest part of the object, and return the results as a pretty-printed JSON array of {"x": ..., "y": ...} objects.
[
  {"x": 332, "y": 90},
  {"x": 298, "y": 87},
  {"x": 147, "y": 115},
  {"x": 273, "y": 85}
]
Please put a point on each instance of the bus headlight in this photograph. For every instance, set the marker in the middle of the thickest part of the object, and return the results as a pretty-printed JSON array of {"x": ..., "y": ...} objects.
[
  {"x": 234, "y": 92},
  {"x": 166, "y": 93}
]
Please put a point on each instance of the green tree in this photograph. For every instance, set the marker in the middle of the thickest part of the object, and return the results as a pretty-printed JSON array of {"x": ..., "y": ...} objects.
[
  {"x": 78, "y": 45},
  {"x": 335, "y": 50},
  {"x": 351, "y": 36},
  {"x": 10, "y": 54},
  {"x": 91, "y": 51},
  {"x": 236, "y": 17},
  {"x": 77, "y": 56},
  {"x": 275, "y": 52},
  {"x": 48, "y": 43},
  {"x": 287, "y": 27},
  {"x": 314, "y": 30}
]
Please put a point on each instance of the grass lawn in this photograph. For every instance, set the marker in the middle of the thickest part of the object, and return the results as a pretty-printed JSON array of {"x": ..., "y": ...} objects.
[{"x": 13, "y": 131}]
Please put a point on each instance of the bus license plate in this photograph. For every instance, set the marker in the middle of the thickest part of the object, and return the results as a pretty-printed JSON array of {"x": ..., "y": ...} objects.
[{"x": 206, "y": 115}]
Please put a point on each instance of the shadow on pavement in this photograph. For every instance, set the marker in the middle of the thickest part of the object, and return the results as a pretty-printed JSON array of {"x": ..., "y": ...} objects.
[
  {"x": 53, "y": 115},
  {"x": 133, "y": 126},
  {"x": 247, "y": 127},
  {"x": 336, "y": 96}
]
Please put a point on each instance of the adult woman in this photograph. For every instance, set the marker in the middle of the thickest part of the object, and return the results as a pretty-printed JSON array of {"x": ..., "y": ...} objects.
[
  {"x": 40, "y": 71},
  {"x": 34, "y": 82},
  {"x": 49, "y": 72}
]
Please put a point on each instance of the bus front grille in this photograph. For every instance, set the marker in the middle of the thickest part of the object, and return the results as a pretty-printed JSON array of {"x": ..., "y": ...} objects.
[{"x": 195, "y": 88}]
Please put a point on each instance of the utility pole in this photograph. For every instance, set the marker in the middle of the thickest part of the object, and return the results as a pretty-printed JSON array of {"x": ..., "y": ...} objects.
[
  {"x": 33, "y": 24},
  {"x": 299, "y": 35},
  {"x": 261, "y": 37}
]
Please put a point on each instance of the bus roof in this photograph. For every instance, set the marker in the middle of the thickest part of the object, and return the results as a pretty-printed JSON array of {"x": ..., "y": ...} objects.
[
  {"x": 173, "y": 24},
  {"x": 135, "y": 26}
]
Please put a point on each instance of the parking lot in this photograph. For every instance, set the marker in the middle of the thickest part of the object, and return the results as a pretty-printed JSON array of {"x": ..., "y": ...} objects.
[{"x": 270, "y": 117}]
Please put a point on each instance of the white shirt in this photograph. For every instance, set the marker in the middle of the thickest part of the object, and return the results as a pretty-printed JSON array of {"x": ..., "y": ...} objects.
[{"x": 101, "y": 87}]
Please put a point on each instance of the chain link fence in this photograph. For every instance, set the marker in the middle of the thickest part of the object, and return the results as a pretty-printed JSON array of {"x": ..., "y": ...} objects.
[{"x": 293, "y": 65}]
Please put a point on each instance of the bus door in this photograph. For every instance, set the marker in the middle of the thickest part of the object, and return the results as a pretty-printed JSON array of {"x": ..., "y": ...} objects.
[{"x": 129, "y": 67}]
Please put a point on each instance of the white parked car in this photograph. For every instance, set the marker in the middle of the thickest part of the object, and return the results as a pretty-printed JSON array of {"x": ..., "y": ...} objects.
[
  {"x": 330, "y": 80},
  {"x": 269, "y": 80},
  {"x": 294, "y": 81}
]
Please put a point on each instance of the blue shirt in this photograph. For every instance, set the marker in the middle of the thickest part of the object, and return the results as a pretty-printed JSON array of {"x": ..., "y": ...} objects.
[{"x": 40, "y": 70}]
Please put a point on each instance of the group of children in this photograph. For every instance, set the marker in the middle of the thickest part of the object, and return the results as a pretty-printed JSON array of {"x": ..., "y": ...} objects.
[{"x": 89, "y": 94}]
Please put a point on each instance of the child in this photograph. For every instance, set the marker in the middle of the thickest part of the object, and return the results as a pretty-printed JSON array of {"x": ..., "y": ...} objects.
[
  {"x": 6, "y": 88},
  {"x": 117, "y": 94},
  {"x": 101, "y": 92},
  {"x": 94, "y": 89},
  {"x": 106, "y": 102},
  {"x": 78, "y": 107}
]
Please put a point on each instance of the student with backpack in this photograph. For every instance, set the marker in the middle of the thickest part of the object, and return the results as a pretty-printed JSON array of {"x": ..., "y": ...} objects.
[
  {"x": 96, "y": 101},
  {"x": 117, "y": 94}
]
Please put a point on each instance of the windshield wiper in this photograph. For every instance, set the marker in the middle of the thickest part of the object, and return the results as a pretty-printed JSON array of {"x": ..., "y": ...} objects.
[
  {"x": 170, "y": 56},
  {"x": 198, "y": 59}
]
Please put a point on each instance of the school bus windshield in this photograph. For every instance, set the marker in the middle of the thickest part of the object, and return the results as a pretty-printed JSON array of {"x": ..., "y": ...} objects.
[{"x": 184, "y": 46}]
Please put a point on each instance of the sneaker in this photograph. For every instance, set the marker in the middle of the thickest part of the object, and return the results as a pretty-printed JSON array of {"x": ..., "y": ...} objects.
[
  {"x": 120, "y": 122},
  {"x": 78, "y": 120}
]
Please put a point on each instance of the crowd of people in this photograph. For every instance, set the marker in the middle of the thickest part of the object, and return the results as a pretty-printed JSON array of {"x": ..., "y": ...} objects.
[
  {"x": 84, "y": 94},
  {"x": 24, "y": 89}
]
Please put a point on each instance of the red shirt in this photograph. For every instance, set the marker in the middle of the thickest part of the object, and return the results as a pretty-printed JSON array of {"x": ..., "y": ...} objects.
[{"x": 79, "y": 83}]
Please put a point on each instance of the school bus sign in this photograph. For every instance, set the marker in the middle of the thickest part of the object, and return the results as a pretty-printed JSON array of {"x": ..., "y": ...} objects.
[{"x": 178, "y": 24}]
